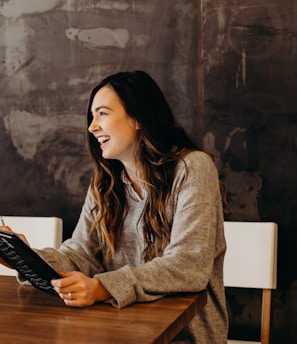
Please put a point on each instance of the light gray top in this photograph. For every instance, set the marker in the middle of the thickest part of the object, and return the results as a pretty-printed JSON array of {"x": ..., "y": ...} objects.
[{"x": 192, "y": 261}]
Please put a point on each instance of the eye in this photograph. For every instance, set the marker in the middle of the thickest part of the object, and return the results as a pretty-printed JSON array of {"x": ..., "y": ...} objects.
[{"x": 102, "y": 113}]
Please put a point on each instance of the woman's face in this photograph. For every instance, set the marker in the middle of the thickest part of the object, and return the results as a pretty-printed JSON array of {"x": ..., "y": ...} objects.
[{"x": 114, "y": 129}]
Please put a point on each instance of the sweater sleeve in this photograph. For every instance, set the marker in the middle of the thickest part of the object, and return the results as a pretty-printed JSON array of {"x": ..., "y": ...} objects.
[
  {"x": 78, "y": 252},
  {"x": 194, "y": 256}
]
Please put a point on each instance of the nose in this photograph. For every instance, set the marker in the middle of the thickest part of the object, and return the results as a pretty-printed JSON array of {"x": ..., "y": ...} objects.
[{"x": 94, "y": 126}]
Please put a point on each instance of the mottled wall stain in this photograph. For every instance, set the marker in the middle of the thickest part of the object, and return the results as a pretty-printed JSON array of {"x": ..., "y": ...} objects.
[
  {"x": 99, "y": 37},
  {"x": 250, "y": 82},
  {"x": 242, "y": 185},
  {"x": 27, "y": 130},
  {"x": 52, "y": 54}
]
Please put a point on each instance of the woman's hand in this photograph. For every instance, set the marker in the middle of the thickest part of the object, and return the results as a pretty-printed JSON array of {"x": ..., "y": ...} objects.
[
  {"x": 78, "y": 290},
  {"x": 21, "y": 236}
]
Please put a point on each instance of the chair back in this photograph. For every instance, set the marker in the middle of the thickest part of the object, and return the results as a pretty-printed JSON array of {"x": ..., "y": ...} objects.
[
  {"x": 251, "y": 262},
  {"x": 251, "y": 256}
]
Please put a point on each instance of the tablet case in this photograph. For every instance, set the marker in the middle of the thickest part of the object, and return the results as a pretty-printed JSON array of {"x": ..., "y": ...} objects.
[{"x": 27, "y": 262}]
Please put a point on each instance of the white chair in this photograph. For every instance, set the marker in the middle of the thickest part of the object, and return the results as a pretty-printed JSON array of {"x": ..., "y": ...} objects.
[
  {"x": 40, "y": 232},
  {"x": 251, "y": 262}
]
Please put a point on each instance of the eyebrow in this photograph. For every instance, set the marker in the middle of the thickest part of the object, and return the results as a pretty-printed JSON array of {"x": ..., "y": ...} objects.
[{"x": 100, "y": 107}]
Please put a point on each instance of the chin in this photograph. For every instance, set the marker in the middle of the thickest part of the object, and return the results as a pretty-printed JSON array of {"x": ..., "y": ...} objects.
[{"x": 107, "y": 156}]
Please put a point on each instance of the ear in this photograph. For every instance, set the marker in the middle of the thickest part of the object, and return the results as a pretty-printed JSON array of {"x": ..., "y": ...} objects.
[{"x": 137, "y": 125}]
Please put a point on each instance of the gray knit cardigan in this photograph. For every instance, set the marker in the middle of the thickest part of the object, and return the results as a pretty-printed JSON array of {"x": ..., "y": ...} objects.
[{"x": 192, "y": 261}]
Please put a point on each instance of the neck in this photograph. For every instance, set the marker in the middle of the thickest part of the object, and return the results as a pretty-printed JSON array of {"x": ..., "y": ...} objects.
[{"x": 135, "y": 180}]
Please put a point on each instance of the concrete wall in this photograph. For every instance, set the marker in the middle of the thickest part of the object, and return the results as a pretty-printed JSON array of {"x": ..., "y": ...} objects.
[
  {"x": 228, "y": 70},
  {"x": 52, "y": 54},
  {"x": 250, "y": 110}
]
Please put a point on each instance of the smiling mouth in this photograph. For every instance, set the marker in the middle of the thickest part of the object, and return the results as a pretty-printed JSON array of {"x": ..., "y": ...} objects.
[{"x": 103, "y": 139}]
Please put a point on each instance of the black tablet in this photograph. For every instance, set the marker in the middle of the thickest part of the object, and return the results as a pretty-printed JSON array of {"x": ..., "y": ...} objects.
[{"x": 27, "y": 262}]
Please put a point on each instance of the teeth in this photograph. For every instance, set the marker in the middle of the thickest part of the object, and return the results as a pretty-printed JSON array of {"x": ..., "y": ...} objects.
[{"x": 102, "y": 139}]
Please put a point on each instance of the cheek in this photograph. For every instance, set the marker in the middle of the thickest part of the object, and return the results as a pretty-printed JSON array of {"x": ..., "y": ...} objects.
[
  {"x": 133, "y": 123},
  {"x": 127, "y": 127}
]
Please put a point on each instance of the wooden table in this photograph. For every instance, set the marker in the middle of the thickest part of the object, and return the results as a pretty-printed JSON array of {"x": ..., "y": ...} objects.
[{"x": 28, "y": 315}]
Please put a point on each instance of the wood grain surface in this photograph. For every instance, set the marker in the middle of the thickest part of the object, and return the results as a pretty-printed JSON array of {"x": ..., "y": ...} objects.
[{"x": 28, "y": 315}]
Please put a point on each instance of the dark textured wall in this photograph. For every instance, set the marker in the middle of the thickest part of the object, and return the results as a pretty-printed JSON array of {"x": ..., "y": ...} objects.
[
  {"x": 250, "y": 109},
  {"x": 52, "y": 54},
  {"x": 54, "y": 51}
]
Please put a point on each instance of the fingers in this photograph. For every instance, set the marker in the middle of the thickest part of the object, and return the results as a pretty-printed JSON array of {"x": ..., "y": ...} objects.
[
  {"x": 3, "y": 262},
  {"x": 21, "y": 236},
  {"x": 75, "y": 289},
  {"x": 6, "y": 228},
  {"x": 68, "y": 279},
  {"x": 67, "y": 287},
  {"x": 68, "y": 298}
]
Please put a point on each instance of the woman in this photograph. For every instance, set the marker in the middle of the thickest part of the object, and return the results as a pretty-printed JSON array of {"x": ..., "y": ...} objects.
[{"x": 152, "y": 221}]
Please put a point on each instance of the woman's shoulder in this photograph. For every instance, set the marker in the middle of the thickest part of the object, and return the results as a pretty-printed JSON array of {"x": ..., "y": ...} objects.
[
  {"x": 196, "y": 163},
  {"x": 197, "y": 158}
]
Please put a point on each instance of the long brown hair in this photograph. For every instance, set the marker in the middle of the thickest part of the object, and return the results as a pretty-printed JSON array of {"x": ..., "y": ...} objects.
[{"x": 162, "y": 144}]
